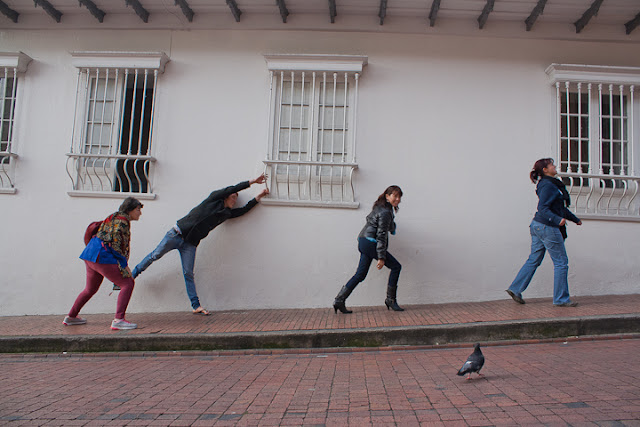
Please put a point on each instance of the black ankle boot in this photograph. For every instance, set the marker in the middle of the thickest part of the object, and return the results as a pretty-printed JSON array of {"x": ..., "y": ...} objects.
[
  {"x": 391, "y": 302},
  {"x": 339, "y": 302}
]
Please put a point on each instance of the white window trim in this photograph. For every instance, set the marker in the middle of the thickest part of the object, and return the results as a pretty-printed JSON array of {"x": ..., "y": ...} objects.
[
  {"x": 19, "y": 61},
  {"x": 99, "y": 60},
  {"x": 338, "y": 64},
  {"x": 111, "y": 59},
  {"x": 615, "y": 198}
]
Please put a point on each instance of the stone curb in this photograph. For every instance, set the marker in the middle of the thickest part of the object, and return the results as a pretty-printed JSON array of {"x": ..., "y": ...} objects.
[{"x": 330, "y": 338}]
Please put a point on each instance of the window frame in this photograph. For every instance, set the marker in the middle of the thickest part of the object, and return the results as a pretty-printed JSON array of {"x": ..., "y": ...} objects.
[
  {"x": 145, "y": 64},
  {"x": 604, "y": 191},
  {"x": 309, "y": 174},
  {"x": 18, "y": 63}
]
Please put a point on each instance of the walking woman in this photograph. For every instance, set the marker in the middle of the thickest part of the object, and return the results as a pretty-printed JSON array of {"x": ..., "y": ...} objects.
[
  {"x": 548, "y": 231},
  {"x": 372, "y": 244},
  {"x": 107, "y": 255}
]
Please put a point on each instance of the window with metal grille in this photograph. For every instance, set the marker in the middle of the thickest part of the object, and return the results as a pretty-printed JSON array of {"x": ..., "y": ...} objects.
[
  {"x": 11, "y": 64},
  {"x": 599, "y": 113},
  {"x": 597, "y": 129},
  {"x": 311, "y": 154},
  {"x": 111, "y": 147}
]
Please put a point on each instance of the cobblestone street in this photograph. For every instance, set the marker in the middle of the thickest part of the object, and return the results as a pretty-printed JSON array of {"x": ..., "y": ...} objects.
[{"x": 578, "y": 383}]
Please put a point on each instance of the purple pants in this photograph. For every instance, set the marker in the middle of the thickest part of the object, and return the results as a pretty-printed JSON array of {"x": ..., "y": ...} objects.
[{"x": 95, "y": 274}]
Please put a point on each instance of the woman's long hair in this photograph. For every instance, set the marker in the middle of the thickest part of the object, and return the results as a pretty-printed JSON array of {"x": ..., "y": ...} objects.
[
  {"x": 382, "y": 199},
  {"x": 537, "y": 171}
]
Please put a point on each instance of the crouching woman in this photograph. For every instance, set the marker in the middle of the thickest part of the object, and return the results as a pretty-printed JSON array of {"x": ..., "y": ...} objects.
[{"x": 107, "y": 255}]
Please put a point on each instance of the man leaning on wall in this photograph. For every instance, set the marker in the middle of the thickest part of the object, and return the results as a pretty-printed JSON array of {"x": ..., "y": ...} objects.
[{"x": 188, "y": 231}]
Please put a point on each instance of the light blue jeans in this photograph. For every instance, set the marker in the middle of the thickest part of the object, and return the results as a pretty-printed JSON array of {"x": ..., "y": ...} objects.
[
  {"x": 172, "y": 240},
  {"x": 545, "y": 238}
]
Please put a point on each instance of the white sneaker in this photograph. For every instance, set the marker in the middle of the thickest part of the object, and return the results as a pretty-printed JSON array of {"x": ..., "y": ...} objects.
[
  {"x": 70, "y": 321},
  {"x": 118, "y": 324}
]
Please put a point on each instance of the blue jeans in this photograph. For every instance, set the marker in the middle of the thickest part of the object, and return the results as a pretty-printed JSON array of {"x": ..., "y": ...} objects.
[
  {"x": 172, "y": 240},
  {"x": 545, "y": 238},
  {"x": 368, "y": 253}
]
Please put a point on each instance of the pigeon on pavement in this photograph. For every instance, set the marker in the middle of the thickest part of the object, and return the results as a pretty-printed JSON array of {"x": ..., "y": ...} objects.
[{"x": 473, "y": 364}]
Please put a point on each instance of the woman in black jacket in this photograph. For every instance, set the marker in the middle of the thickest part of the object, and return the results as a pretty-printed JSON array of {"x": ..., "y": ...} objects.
[
  {"x": 548, "y": 231},
  {"x": 372, "y": 244}
]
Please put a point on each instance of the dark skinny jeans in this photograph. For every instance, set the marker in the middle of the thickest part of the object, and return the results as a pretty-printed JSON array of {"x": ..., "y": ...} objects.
[{"x": 368, "y": 253}]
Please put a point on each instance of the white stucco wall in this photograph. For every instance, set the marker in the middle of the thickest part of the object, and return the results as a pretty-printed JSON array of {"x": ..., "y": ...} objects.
[{"x": 457, "y": 122}]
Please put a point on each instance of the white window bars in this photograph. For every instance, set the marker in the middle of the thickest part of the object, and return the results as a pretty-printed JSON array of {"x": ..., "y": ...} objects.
[
  {"x": 597, "y": 131},
  {"x": 11, "y": 65},
  {"x": 311, "y": 152},
  {"x": 110, "y": 150}
]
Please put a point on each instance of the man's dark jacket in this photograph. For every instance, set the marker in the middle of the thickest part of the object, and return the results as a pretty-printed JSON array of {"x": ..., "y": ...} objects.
[{"x": 211, "y": 212}]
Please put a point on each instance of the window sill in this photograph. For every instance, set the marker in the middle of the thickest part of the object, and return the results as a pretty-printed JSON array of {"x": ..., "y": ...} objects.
[
  {"x": 111, "y": 195},
  {"x": 310, "y": 203},
  {"x": 597, "y": 217}
]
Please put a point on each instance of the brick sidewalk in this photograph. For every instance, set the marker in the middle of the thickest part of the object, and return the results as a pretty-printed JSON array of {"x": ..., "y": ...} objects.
[
  {"x": 323, "y": 318},
  {"x": 590, "y": 383}
]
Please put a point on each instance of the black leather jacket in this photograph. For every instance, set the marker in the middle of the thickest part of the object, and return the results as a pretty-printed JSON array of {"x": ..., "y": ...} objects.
[{"x": 379, "y": 224}]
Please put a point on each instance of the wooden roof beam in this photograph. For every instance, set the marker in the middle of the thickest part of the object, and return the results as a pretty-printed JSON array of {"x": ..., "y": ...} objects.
[
  {"x": 140, "y": 11},
  {"x": 383, "y": 11},
  {"x": 284, "y": 12},
  {"x": 186, "y": 10},
  {"x": 8, "y": 12},
  {"x": 488, "y": 8},
  {"x": 586, "y": 17},
  {"x": 51, "y": 11},
  {"x": 435, "y": 7},
  {"x": 333, "y": 12},
  {"x": 537, "y": 11},
  {"x": 95, "y": 11},
  {"x": 235, "y": 10},
  {"x": 631, "y": 25}
]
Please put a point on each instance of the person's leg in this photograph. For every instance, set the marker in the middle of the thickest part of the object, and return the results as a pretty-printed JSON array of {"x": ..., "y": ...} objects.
[
  {"x": 524, "y": 276},
  {"x": 112, "y": 272},
  {"x": 188, "y": 258},
  {"x": 554, "y": 243},
  {"x": 94, "y": 279},
  {"x": 169, "y": 242},
  {"x": 359, "y": 276},
  {"x": 367, "y": 251},
  {"x": 392, "y": 286}
]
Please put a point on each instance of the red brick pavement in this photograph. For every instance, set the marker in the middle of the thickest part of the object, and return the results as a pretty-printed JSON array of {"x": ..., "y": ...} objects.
[
  {"x": 584, "y": 383},
  {"x": 323, "y": 318}
]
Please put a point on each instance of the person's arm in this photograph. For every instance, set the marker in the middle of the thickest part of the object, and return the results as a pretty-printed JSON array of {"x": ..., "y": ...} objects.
[
  {"x": 250, "y": 205},
  {"x": 226, "y": 192},
  {"x": 385, "y": 219},
  {"x": 571, "y": 217},
  {"x": 546, "y": 197}
]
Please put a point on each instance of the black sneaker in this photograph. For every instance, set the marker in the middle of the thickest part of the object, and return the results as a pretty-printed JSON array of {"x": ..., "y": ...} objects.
[
  {"x": 515, "y": 297},
  {"x": 566, "y": 304}
]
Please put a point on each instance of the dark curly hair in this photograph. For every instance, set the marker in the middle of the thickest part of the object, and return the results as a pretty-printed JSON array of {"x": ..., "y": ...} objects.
[{"x": 129, "y": 204}]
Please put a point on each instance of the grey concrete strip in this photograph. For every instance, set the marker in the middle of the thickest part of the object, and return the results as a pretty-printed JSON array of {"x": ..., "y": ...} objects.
[{"x": 365, "y": 337}]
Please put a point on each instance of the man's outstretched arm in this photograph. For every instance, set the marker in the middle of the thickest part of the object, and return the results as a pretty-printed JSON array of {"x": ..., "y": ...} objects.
[{"x": 246, "y": 208}]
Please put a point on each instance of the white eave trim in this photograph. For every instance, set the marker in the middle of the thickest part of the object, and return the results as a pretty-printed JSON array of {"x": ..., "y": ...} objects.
[
  {"x": 110, "y": 59},
  {"x": 18, "y": 60},
  {"x": 331, "y": 63},
  {"x": 593, "y": 74}
]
